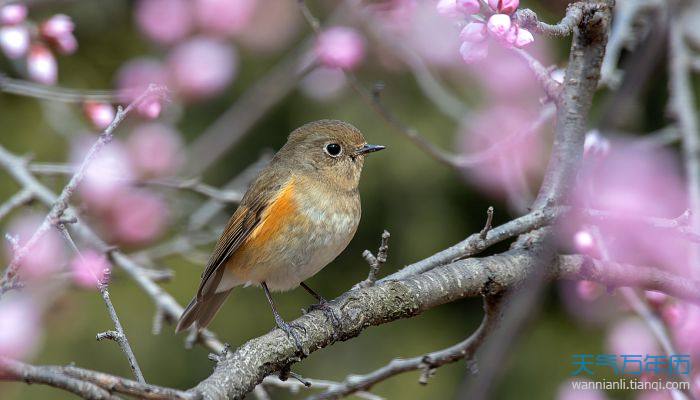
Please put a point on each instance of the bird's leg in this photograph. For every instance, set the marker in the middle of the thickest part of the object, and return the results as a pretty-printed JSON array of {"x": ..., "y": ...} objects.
[
  {"x": 287, "y": 328},
  {"x": 323, "y": 306}
]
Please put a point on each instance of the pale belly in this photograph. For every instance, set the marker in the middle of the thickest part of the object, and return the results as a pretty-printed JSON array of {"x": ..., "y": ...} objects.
[{"x": 301, "y": 251}]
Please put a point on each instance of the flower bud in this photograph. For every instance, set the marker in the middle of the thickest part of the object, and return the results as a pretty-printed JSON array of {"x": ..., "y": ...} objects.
[
  {"x": 340, "y": 47},
  {"x": 504, "y": 6},
  {"x": 473, "y": 52},
  {"x": 468, "y": 7},
  {"x": 99, "y": 114},
  {"x": 499, "y": 25},
  {"x": 473, "y": 32},
  {"x": 14, "y": 40},
  {"x": 41, "y": 65},
  {"x": 13, "y": 14}
]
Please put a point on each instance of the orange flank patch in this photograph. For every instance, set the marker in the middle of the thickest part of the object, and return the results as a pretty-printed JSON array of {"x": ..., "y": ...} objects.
[{"x": 277, "y": 215}]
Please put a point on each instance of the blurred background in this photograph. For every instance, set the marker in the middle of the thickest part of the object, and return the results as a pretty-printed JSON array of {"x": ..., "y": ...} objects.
[{"x": 213, "y": 55}]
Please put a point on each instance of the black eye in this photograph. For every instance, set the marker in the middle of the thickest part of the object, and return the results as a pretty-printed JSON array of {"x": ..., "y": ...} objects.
[{"x": 333, "y": 149}]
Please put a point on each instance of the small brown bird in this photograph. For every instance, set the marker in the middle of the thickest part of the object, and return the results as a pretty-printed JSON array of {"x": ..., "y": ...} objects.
[{"x": 300, "y": 212}]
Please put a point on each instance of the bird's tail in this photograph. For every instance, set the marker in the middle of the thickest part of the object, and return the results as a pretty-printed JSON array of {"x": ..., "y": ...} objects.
[{"x": 201, "y": 311}]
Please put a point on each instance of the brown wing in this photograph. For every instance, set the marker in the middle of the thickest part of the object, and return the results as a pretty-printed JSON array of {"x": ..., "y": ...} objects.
[{"x": 242, "y": 223}]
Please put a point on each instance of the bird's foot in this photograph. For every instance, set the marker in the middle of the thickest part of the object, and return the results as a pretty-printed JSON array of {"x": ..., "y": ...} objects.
[
  {"x": 330, "y": 315},
  {"x": 289, "y": 329}
]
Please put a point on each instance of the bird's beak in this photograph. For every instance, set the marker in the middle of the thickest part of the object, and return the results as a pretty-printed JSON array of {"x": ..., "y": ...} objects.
[{"x": 368, "y": 148}]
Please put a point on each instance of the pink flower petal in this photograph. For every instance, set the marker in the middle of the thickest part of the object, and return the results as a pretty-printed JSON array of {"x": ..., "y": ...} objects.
[{"x": 340, "y": 47}]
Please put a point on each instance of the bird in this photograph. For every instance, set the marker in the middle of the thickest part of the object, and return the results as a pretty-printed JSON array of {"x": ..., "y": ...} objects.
[{"x": 297, "y": 216}]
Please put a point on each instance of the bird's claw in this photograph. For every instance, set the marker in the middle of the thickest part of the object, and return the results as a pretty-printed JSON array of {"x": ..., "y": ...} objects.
[
  {"x": 328, "y": 312},
  {"x": 289, "y": 329}
]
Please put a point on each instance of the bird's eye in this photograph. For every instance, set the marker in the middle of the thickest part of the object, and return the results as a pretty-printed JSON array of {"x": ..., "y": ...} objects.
[{"x": 333, "y": 149}]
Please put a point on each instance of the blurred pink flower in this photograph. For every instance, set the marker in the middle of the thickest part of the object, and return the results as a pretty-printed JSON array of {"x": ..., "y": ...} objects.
[
  {"x": 595, "y": 145},
  {"x": 150, "y": 108},
  {"x": 48, "y": 254},
  {"x": 21, "y": 328},
  {"x": 633, "y": 182},
  {"x": 589, "y": 290},
  {"x": 504, "y": 6},
  {"x": 323, "y": 83},
  {"x": 202, "y": 67},
  {"x": 448, "y": 8},
  {"x": 155, "y": 149},
  {"x": 673, "y": 313},
  {"x": 14, "y": 40},
  {"x": 655, "y": 298},
  {"x": 473, "y": 32},
  {"x": 13, "y": 14},
  {"x": 274, "y": 25},
  {"x": 499, "y": 25},
  {"x": 41, "y": 65},
  {"x": 135, "y": 75},
  {"x": 90, "y": 269},
  {"x": 514, "y": 161},
  {"x": 473, "y": 52},
  {"x": 519, "y": 37},
  {"x": 137, "y": 216},
  {"x": 584, "y": 242},
  {"x": 58, "y": 30},
  {"x": 687, "y": 331},
  {"x": 423, "y": 29},
  {"x": 100, "y": 115},
  {"x": 340, "y": 47},
  {"x": 224, "y": 17},
  {"x": 567, "y": 392},
  {"x": 468, "y": 7},
  {"x": 631, "y": 336},
  {"x": 106, "y": 176},
  {"x": 504, "y": 78},
  {"x": 164, "y": 21}
]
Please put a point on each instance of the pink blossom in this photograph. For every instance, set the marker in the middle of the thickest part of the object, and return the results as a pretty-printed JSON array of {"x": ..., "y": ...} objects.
[
  {"x": 99, "y": 114},
  {"x": 423, "y": 29},
  {"x": 155, "y": 149},
  {"x": 273, "y": 26},
  {"x": 522, "y": 38},
  {"x": 473, "y": 32},
  {"x": 568, "y": 392},
  {"x": 512, "y": 161},
  {"x": 504, "y": 6},
  {"x": 584, "y": 242},
  {"x": 340, "y": 47},
  {"x": 323, "y": 83},
  {"x": 673, "y": 313},
  {"x": 56, "y": 26},
  {"x": 473, "y": 52},
  {"x": 589, "y": 290},
  {"x": 687, "y": 331},
  {"x": 447, "y": 8},
  {"x": 595, "y": 145},
  {"x": 41, "y": 65},
  {"x": 90, "y": 269},
  {"x": 202, "y": 67},
  {"x": 135, "y": 75},
  {"x": 150, "y": 108},
  {"x": 13, "y": 14},
  {"x": 14, "y": 40},
  {"x": 137, "y": 217},
  {"x": 631, "y": 336},
  {"x": 468, "y": 7},
  {"x": 499, "y": 25},
  {"x": 46, "y": 257},
  {"x": 106, "y": 176},
  {"x": 164, "y": 21},
  {"x": 633, "y": 182},
  {"x": 224, "y": 17},
  {"x": 21, "y": 324},
  {"x": 655, "y": 298}
]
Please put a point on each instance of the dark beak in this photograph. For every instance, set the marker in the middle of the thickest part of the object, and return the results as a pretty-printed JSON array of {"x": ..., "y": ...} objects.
[{"x": 368, "y": 148}]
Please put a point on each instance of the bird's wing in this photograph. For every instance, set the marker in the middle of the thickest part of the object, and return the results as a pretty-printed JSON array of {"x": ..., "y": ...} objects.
[{"x": 251, "y": 214}]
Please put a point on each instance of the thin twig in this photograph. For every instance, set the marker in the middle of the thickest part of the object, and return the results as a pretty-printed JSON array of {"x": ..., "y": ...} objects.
[
  {"x": 375, "y": 263},
  {"x": 487, "y": 227},
  {"x": 53, "y": 93},
  {"x": 17, "y": 200},
  {"x": 61, "y": 203}
]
